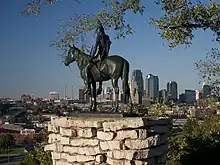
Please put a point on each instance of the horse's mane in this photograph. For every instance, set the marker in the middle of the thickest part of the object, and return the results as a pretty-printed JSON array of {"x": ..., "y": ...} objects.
[{"x": 82, "y": 58}]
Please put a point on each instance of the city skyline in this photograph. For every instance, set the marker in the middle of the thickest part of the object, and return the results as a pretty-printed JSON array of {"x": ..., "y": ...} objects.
[{"x": 30, "y": 66}]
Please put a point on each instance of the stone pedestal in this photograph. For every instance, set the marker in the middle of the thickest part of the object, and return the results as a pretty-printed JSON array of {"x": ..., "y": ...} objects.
[{"x": 109, "y": 141}]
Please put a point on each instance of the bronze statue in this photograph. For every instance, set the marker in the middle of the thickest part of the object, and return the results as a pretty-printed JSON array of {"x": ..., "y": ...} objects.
[
  {"x": 103, "y": 44},
  {"x": 110, "y": 68}
]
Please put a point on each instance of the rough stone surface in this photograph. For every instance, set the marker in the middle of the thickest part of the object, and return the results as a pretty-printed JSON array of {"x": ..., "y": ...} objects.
[
  {"x": 100, "y": 158},
  {"x": 67, "y": 132},
  {"x": 77, "y": 158},
  {"x": 65, "y": 140},
  {"x": 105, "y": 135},
  {"x": 146, "y": 143},
  {"x": 108, "y": 141},
  {"x": 142, "y": 133},
  {"x": 126, "y": 134},
  {"x": 54, "y": 138},
  {"x": 87, "y": 133},
  {"x": 62, "y": 162},
  {"x": 118, "y": 162},
  {"x": 52, "y": 128},
  {"x": 110, "y": 145},
  {"x": 82, "y": 150},
  {"x": 123, "y": 123},
  {"x": 84, "y": 142}
]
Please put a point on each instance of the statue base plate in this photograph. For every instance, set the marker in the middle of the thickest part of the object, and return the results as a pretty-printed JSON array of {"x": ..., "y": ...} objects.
[{"x": 103, "y": 114}]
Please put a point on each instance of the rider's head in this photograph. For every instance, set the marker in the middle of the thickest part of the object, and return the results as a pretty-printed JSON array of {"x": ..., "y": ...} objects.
[{"x": 100, "y": 28}]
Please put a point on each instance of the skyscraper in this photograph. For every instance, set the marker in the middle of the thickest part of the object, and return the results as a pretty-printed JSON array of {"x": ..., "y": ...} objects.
[
  {"x": 137, "y": 83},
  {"x": 172, "y": 91},
  {"x": 190, "y": 96},
  {"x": 152, "y": 87},
  {"x": 206, "y": 90}
]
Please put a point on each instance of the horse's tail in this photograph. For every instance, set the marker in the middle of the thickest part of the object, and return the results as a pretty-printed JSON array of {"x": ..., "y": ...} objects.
[{"x": 125, "y": 86}]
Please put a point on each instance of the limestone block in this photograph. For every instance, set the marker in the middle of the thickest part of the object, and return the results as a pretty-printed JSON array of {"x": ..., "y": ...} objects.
[
  {"x": 54, "y": 147},
  {"x": 121, "y": 154},
  {"x": 110, "y": 145},
  {"x": 61, "y": 122},
  {"x": 105, "y": 135},
  {"x": 100, "y": 158},
  {"x": 146, "y": 143},
  {"x": 87, "y": 132},
  {"x": 67, "y": 132},
  {"x": 50, "y": 147},
  {"x": 62, "y": 162},
  {"x": 117, "y": 162},
  {"x": 142, "y": 133},
  {"x": 52, "y": 128},
  {"x": 149, "y": 153},
  {"x": 137, "y": 154},
  {"x": 85, "y": 122},
  {"x": 56, "y": 155},
  {"x": 65, "y": 140},
  {"x": 82, "y": 150},
  {"x": 123, "y": 123},
  {"x": 84, "y": 142},
  {"x": 141, "y": 144},
  {"x": 159, "y": 129},
  {"x": 54, "y": 138},
  {"x": 77, "y": 158},
  {"x": 89, "y": 163},
  {"x": 145, "y": 162},
  {"x": 126, "y": 134}
]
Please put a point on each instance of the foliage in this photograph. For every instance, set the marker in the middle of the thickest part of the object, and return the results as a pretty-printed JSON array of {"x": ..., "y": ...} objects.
[
  {"x": 37, "y": 157},
  {"x": 42, "y": 136},
  {"x": 158, "y": 109},
  {"x": 6, "y": 140},
  {"x": 209, "y": 69},
  {"x": 180, "y": 18},
  {"x": 197, "y": 143}
]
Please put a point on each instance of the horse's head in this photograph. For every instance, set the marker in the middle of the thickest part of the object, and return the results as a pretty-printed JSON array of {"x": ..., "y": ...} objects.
[{"x": 70, "y": 57}]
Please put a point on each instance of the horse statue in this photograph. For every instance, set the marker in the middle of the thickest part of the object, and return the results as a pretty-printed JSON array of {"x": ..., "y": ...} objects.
[{"x": 111, "y": 68}]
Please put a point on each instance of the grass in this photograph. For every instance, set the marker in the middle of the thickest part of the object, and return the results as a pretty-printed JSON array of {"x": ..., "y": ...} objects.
[{"x": 16, "y": 151}]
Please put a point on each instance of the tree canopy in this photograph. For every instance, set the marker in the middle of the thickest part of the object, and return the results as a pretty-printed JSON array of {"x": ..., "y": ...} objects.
[
  {"x": 177, "y": 24},
  {"x": 181, "y": 18},
  {"x": 209, "y": 70}
]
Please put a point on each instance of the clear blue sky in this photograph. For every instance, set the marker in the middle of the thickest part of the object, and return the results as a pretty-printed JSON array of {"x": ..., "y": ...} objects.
[{"x": 29, "y": 65}]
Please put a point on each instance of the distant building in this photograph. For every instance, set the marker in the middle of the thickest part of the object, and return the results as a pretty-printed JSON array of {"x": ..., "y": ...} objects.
[
  {"x": 172, "y": 91},
  {"x": 163, "y": 95},
  {"x": 182, "y": 98},
  {"x": 54, "y": 96},
  {"x": 135, "y": 95},
  {"x": 190, "y": 96},
  {"x": 206, "y": 91},
  {"x": 152, "y": 87},
  {"x": 198, "y": 95},
  {"x": 137, "y": 85},
  {"x": 25, "y": 98},
  {"x": 83, "y": 97}
]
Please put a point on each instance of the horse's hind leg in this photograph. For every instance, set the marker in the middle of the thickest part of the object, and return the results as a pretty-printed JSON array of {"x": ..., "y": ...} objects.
[
  {"x": 116, "y": 91},
  {"x": 99, "y": 91}
]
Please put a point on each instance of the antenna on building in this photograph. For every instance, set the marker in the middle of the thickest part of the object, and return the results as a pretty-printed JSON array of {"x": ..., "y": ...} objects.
[
  {"x": 65, "y": 92},
  {"x": 72, "y": 92}
]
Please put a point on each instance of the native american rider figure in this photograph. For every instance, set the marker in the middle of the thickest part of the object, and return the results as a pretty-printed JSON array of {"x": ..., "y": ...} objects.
[{"x": 103, "y": 44}]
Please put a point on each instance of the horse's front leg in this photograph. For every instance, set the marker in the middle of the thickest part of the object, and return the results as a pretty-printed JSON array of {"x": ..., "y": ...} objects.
[
  {"x": 116, "y": 92},
  {"x": 94, "y": 102}
]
